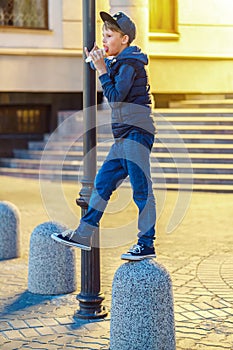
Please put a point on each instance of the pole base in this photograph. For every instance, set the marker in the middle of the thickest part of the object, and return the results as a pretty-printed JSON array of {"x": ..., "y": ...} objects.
[
  {"x": 91, "y": 308},
  {"x": 102, "y": 313}
]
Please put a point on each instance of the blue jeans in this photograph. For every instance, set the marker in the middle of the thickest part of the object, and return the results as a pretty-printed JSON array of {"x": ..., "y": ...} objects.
[{"x": 127, "y": 157}]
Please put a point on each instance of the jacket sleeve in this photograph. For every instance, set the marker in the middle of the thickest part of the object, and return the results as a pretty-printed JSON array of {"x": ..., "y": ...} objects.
[
  {"x": 116, "y": 91},
  {"x": 92, "y": 64}
]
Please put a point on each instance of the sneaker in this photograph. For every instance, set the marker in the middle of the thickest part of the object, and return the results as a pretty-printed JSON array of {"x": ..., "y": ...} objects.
[
  {"x": 139, "y": 252},
  {"x": 73, "y": 239}
]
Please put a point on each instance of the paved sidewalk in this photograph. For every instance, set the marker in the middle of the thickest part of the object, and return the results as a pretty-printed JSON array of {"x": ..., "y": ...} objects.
[{"x": 198, "y": 254}]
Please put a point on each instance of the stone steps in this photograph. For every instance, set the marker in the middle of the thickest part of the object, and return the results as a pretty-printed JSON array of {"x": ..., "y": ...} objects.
[
  {"x": 172, "y": 112},
  {"x": 164, "y": 156},
  {"x": 218, "y": 103},
  {"x": 160, "y": 136},
  {"x": 160, "y": 146},
  {"x": 209, "y": 182},
  {"x": 156, "y": 166},
  {"x": 193, "y": 150}
]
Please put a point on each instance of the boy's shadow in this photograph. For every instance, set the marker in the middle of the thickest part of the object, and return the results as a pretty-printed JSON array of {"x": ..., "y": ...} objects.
[
  {"x": 27, "y": 300},
  {"x": 24, "y": 301}
]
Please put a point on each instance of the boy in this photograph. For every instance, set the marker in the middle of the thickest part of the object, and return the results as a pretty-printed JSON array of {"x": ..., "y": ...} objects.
[{"x": 125, "y": 85}]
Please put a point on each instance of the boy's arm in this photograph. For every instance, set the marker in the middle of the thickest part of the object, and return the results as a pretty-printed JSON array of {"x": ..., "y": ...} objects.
[
  {"x": 114, "y": 91},
  {"x": 118, "y": 90},
  {"x": 93, "y": 66}
]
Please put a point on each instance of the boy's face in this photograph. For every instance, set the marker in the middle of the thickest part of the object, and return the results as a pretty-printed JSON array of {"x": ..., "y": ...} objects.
[{"x": 114, "y": 42}]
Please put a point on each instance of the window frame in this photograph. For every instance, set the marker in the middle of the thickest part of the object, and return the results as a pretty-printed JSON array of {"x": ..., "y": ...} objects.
[
  {"x": 170, "y": 35},
  {"x": 25, "y": 28}
]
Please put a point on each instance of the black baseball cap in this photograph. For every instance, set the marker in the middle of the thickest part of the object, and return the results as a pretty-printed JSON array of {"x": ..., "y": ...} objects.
[{"x": 122, "y": 21}]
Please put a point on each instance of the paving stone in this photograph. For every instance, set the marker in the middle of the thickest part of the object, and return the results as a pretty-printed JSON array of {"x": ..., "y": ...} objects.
[
  {"x": 204, "y": 346},
  {"x": 94, "y": 326},
  {"x": 190, "y": 307},
  {"x": 87, "y": 345},
  {"x": 65, "y": 338},
  {"x": 65, "y": 320},
  {"x": 186, "y": 344},
  {"x": 178, "y": 308},
  {"x": 205, "y": 314},
  {"x": 49, "y": 321},
  {"x": 202, "y": 306},
  {"x": 53, "y": 347},
  {"x": 44, "y": 330},
  {"x": 213, "y": 345},
  {"x": 13, "y": 345},
  {"x": 4, "y": 326},
  {"x": 18, "y": 324},
  {"x": 190, "y": 330},
  {"x": 60, "y": 329},
  {"x": 219, "y": 312},
  {"x": 36, "y": 345},
  {"x": 180, "y": 318},
  {"x": 229, "y": 339},
  {"x": 191, "y": 315},
  {"x": 3, "y": 340},
  {"x": 44, "y": 339},
  {"x": 12, "y": 334},
  {"x": 34, "y": 322},
  {"x": 29, "y": 333},
  {"x": 213, "y": 337}
]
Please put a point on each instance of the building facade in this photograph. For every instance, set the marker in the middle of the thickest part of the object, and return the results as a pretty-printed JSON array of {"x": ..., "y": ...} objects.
[{"x": 189, "y": 43}]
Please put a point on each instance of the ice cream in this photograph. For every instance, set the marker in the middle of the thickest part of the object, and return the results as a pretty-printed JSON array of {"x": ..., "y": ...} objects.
[{"x": 88, "y": 59}]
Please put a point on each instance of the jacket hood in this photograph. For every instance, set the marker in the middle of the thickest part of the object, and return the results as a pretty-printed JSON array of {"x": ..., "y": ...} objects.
[{"x": 133, "y": 52}]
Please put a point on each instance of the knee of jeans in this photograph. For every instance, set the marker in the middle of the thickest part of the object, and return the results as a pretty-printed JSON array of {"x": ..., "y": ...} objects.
[
  {"x": 140, "y": 196},
  {"x": 103, "y": 190},
  {"x": 144, "y": 196}
]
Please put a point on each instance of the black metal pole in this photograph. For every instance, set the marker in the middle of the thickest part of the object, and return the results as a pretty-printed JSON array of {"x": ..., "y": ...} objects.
[{"x": 90, "y": 299}]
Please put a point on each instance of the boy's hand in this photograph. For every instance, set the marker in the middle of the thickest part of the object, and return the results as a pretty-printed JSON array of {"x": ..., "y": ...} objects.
[
  {"x": 95, "y": 47},
  {"x": 97, "y": 58}
]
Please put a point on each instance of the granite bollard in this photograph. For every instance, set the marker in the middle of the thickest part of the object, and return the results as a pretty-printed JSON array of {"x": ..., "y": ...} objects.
[
  {"x": 9, "y": 231},
  {"x": 51, "y": 268},
  {"x": 142, "y": 314}
]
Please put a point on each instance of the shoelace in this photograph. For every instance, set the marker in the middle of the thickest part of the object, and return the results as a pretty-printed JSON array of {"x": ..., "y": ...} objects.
[
  {"x": 136, "y": 249},
  {"x": 68, "y": 233}
]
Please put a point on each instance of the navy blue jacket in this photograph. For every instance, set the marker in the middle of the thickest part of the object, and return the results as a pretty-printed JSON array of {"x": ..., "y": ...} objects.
[{"x": 126, "y": 88}]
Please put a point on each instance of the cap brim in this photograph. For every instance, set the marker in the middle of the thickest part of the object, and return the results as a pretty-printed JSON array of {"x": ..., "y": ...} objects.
[{"x": 108, "y": 18}]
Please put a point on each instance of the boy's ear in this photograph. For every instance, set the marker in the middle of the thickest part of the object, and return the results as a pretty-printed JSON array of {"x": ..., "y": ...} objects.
[{"x": 125, "y": 39}]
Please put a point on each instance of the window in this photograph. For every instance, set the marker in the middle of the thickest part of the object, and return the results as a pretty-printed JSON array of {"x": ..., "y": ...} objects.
[
  {"x": 24, "y": 13},
  {"x": 24, "y": 119},
  {"x": 163, "y": 16}
]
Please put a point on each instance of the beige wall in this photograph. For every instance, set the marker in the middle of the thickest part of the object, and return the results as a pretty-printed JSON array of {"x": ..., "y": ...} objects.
[
  {"x": 72, "y": 24},
  {"x": 201, "y": 60},
  {"x": 138, "y": 11},
  {"x": 191, "y": 76},
  {"x": 40, "y": 73},
  {"x": 205, "y": 28}
]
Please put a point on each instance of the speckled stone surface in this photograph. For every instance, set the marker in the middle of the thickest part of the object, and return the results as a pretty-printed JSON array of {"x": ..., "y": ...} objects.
[
  {"x": 51, "y": 265},
  {"x": 142, "y": 315},
  {"x": 9, "y": 231}
]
